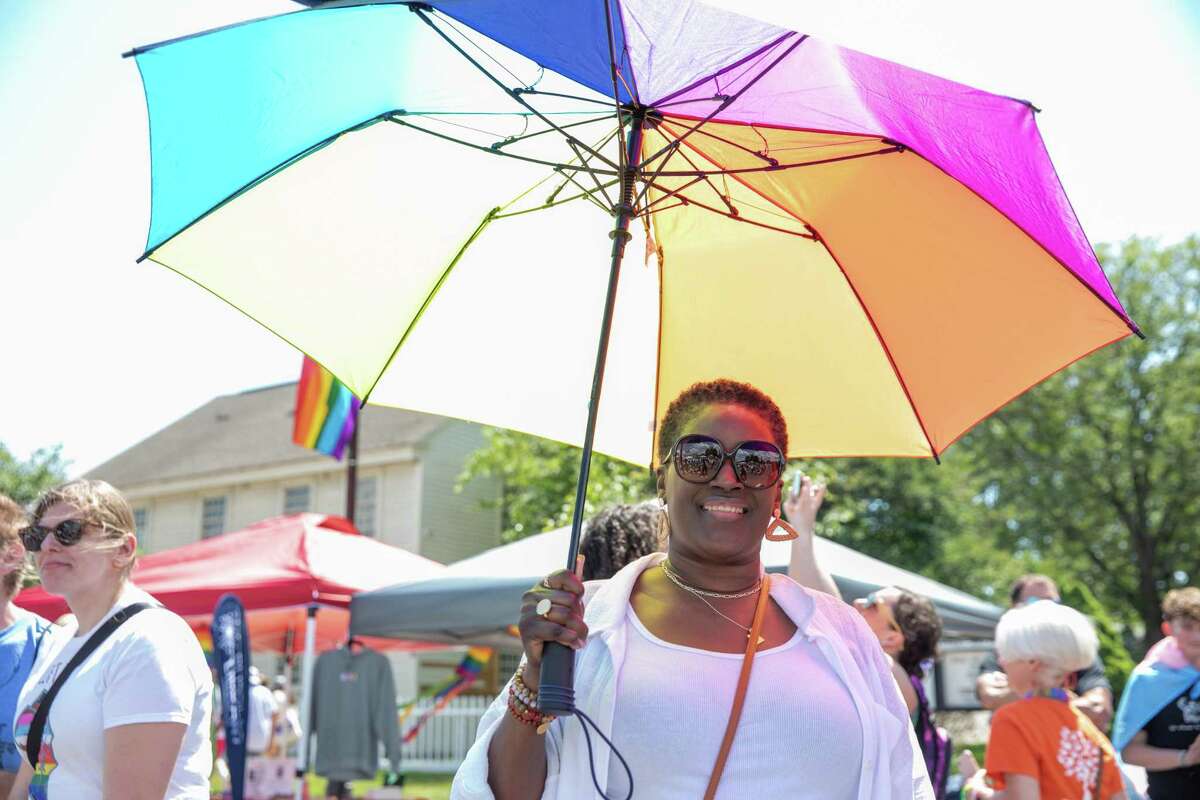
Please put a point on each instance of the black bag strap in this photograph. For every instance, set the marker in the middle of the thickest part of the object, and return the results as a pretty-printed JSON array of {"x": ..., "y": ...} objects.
[{"x": 33, "y": 741}]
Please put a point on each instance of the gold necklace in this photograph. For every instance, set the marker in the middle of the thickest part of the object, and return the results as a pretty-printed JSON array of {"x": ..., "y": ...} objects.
[
  {"x": 699, "y": 595},
  {"x": 670, "y": 573}
]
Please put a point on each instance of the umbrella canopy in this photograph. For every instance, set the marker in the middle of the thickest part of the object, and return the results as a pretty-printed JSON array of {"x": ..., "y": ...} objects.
[
  {"x": 416, "y": 195},
  {"x": 277, "y": 568},
  {"x": 477, "y": 599}
]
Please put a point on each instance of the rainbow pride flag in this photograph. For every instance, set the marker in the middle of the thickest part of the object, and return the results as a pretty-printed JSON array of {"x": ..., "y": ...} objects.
[
  {"x": 326, "y": 411},
  {"x": 465, "y": 674}
]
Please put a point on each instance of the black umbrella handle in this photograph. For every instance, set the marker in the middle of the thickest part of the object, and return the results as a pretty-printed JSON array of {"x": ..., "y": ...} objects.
[{"x": 556, "y": 688}]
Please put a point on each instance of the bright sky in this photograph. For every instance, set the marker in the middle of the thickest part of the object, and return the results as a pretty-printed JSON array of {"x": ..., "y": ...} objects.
[{"x": 101, "y": 352}]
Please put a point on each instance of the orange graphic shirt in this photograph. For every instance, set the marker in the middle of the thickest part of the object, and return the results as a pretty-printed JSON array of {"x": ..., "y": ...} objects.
[{"x": 1047, "y": 739}]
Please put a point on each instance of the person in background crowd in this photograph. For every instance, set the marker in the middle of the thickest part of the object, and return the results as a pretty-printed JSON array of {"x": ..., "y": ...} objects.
[
  {"x": 284, "y": 739},
  {"x": 1158, "y": 722},
  {"x": 1092, "y": 691},
  {"x": 1041, "y": 745},
  {"x": 908, "y": 628},
  {"x": 287, "y": 719},
  {"x": 801, "y": 509},
  {"x": 20, "y": 636},
  {"x": 618, "y": 535},
  {"x": 132, "y": 721},
  {"x": 260, "y": 721},
  {"x": 661, "y": 645},
  {"x": 260, "y": 729}
]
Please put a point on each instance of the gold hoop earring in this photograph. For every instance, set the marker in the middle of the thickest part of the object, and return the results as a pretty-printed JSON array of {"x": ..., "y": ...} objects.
[
  {"x": 664, "y": 526},
  {"x": 777, "y": 522}
]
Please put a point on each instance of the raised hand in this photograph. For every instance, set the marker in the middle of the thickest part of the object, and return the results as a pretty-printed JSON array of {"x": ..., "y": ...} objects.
[{"x": 801, "y": 508}]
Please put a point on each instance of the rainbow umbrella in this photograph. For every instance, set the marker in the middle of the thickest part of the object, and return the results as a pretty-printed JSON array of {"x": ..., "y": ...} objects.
[{"x": 418, "y": 195}]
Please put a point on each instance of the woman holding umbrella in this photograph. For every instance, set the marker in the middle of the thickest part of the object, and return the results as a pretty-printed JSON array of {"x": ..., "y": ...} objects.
[{"x": 710, "y": 678}]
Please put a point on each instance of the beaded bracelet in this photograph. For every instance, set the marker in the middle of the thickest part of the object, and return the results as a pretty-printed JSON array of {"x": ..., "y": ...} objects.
[
  {"x": 526, "y": 695},
  {"x": 522, "y": 704}
]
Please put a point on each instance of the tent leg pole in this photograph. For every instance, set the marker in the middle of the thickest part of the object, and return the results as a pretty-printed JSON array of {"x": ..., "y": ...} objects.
[
  {"x": 306, "y": 693},
  {"x": 556, "y": 691}
]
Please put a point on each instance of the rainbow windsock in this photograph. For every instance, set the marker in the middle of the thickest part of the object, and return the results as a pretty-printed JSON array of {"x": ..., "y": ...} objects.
[
  {"x": 465, "y": 674},
  {"x": 326, "y": 411}
]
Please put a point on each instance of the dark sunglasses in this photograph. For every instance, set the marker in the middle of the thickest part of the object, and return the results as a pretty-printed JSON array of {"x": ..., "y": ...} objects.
[
  {"x": 889, "y": 617},
  {"x": 68, "y": 532},
  {"x": 698, "y": 459}
]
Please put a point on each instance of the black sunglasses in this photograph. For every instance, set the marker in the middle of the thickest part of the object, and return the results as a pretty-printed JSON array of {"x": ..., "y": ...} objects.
[
  {"x": 698, "y": 459},
  {"x": 68, "y": 532}
]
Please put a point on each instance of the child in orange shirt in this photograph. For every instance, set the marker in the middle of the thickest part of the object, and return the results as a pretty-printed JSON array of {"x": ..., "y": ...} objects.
[{"x": 1041, "y": 747}]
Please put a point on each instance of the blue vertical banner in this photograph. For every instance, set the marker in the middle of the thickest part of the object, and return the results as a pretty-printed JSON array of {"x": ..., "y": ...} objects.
[{"x": 231, "y": 652}]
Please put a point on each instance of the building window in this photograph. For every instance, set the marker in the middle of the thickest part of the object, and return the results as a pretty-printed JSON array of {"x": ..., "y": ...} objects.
[
  {"x": 212, "y": 517},
  {"x": 365, "y": 495},
  {"x": 297, "y": 499},
  {"x": 141, "y": 527}
]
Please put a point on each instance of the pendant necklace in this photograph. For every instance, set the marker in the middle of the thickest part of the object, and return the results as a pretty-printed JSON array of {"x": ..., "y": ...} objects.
[{"x": 699, "y": 594}]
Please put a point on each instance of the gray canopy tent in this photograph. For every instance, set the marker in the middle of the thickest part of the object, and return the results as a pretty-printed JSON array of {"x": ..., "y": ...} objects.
[{"x": 476, "y": 600}]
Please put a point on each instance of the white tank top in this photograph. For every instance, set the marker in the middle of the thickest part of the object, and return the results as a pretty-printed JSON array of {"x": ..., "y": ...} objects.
[{"x": 799, "y": 735}]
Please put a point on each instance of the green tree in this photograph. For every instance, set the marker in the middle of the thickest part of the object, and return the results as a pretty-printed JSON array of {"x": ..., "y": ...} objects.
[
  {"x": 23, "y": 481},
  {"x": 538, "y": 479},
  {"x": 1098, "y": 469},
  {"x": 921, "y": 516},
  {"x": 1113, "y": 652}
]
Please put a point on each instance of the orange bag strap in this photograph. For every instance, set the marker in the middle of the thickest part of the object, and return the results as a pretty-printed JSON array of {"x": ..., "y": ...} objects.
[{"x": 739, "y": 696}]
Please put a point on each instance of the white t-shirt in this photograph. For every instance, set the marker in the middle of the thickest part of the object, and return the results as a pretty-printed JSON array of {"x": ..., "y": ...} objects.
[
  {"x": 794, "y": 696},
  {"x": 151, "y": 669},
  {"x": 258, "y": 721}
]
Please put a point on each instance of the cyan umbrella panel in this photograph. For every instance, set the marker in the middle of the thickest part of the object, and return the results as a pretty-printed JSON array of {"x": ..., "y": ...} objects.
[{"x": 415, "y": 195}]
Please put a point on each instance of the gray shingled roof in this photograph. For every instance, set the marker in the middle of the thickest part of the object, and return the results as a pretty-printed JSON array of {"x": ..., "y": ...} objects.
[{"x": 246, "y": 430}]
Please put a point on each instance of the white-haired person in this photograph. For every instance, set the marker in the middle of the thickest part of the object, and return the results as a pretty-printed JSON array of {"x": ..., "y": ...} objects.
[
  {"x": 119, "y": 700},
  {"x": 1042, "y": 746}
]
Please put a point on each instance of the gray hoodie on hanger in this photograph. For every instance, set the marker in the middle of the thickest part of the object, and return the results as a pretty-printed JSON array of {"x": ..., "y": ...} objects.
[{"x": 353, "y": 713}]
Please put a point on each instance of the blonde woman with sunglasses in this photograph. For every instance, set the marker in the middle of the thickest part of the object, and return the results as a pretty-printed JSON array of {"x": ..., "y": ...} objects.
[{"x": 131, "y": 720}]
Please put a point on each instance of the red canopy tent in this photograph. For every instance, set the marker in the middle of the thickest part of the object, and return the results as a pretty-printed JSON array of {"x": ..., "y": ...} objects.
[{"x": 277, "y": 568}]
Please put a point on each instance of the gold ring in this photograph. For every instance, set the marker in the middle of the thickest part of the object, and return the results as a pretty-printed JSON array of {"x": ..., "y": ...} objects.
[{"x": 543, "y": 607}]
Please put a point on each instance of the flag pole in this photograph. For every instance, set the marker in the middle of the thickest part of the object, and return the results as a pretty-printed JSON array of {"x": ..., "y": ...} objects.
[{"x": 352, "y": 468}]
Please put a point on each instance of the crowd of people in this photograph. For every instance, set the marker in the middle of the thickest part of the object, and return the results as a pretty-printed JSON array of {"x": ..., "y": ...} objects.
[
  {"x": 707, "y": 677},
  {"x": 702, "y": 674}
]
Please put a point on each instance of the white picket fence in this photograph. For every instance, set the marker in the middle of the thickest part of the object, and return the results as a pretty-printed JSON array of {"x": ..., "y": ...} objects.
[{"x": 443, "y": 742}]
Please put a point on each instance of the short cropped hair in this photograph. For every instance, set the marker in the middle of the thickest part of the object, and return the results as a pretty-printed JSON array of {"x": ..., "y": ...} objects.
[
  {"x": 1054, "y": 634},
  {"x": 99, "y": 503},
  {"x": 618, "y": 535},
  {"x": 1182, "y": 604},
  {"x": 1019, "y": 585},
  {"x": 12, "y": 519},
  {"x": 719, "y": 392}
]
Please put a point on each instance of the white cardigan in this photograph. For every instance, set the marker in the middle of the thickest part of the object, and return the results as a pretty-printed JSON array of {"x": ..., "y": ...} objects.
[{"x": 892, "y": 767}]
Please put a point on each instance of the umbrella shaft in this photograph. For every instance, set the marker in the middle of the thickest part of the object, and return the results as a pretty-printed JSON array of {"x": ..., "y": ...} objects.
[
  {"x": 557, "y": 684},
  {"x": 620, "y": 235}
]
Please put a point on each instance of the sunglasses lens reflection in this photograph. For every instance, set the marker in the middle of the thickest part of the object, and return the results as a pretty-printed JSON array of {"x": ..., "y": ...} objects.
[
  {"x": 757, "y": 464},
  {"x": 698, "y": 459}
]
